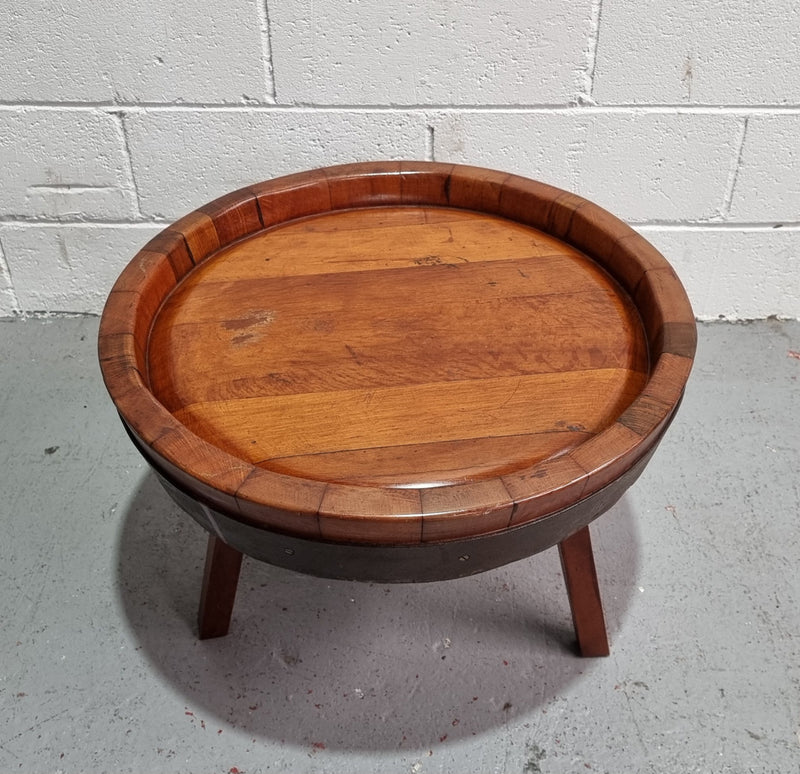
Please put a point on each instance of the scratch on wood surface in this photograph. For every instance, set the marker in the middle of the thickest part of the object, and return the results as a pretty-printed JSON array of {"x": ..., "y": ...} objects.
[
  {"x": 259, "y": 318},
  {"x": 249, "y": 329},
  {"x": 353, "y": 354}
]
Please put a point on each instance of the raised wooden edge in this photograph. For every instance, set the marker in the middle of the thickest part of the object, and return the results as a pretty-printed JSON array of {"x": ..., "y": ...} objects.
[
  {"x": 399, "y": 562},
  {"x": 384, "y": 515}
]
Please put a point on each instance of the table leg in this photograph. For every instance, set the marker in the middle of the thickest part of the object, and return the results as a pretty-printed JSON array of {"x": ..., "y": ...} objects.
[
  {"x": 220, "y": 578},
  {"x": 577, "y": 563}
]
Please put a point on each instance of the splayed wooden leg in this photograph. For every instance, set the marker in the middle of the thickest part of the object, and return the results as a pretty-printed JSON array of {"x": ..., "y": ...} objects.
[
  {"x": 577, "y": 563},
  {"x": 220, "y": 579}
]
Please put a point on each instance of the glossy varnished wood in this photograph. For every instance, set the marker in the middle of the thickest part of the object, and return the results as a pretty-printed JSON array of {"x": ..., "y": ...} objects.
[
  {"x": 397, "y": 347},
  {"x": 389, "y": 362},
  {"x": 396, "y": 352}
]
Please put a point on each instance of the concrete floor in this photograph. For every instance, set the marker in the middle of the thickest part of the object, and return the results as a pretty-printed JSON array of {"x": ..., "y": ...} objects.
[{"x": 698, "y": 564}]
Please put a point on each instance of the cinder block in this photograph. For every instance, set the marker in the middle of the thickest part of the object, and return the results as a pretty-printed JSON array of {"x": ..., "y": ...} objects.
[
  {"x": 63, "y": 164},
  {"x": 183, "y": 159},
  {"x": 133, "y": 51},
  {"x": 640, "y": 166},
  {"x": 732, "y": 273},
  {"x": 69, "y": 268},
  {"x": 768, "y": 183},
  {"x": 718, "y": 52},
  {"x": 400, "y": 53}
]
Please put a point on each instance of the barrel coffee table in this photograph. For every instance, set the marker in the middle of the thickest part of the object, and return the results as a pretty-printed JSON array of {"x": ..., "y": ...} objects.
[{"x": 397, "y": 371}]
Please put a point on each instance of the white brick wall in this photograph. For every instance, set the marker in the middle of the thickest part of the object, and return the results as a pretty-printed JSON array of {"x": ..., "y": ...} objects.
[
  {"x": 454, "y": 53},
  {"x": 768, "y": 185},
  {"x": 641, "y": 166},
  {"x": 181, "y": 160},
  {"x": 703, "y": 52},
  {"x": 67, "y": 268},
  {"x": 682, "y": 118},
  {"x": 131, "y": 52},
  {"x": 64, "y": 165},
  {"x": 714, "y": 262}
]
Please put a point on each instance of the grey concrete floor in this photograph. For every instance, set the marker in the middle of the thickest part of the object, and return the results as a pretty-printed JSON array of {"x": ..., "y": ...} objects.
[{"x": 698, "y": 564}]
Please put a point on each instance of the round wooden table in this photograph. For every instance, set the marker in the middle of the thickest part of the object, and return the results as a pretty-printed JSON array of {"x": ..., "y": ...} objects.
[{"x": 397, "y": 371}]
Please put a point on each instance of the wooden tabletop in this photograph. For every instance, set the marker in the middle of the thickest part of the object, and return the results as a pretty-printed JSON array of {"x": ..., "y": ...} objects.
[{"x": 396, "y": 352}]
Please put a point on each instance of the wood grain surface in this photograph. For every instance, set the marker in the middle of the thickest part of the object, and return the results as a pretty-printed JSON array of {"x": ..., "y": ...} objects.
[{"x": 396, "y": 352}]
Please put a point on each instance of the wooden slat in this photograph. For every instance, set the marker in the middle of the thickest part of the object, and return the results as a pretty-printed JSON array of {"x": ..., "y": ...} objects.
[
  {"x": 304, "y": 348},
  {"x": 234, "y": 216},
  {"x": 608, "y": 455},
  {"x": 305, "y": 423},
  {"x": 597, "y": 233},
  {"x": 366, "y": 514},
  {"x": 364, "y": 185},
  {"x": 293, "y": 196},
  {"x": 427, "y": 284},
  {"x": 545, "y": 488},
  {"x": 421, "y": 184},
  {"x": 201, "y": 237},
  {"x": 381, "y": 239},
  {"x": 662, "y": 300},
  {"x": 474, "y": 508},
  {"x": 172, "y": 244},
  {"x": 281, "y": 502},
  {"x": 128, "y": 313},
  {"x": 474, "y": 188},
  {"x": 631, "y": 257},
  {"x": 677, "y": 338},
  {"x": 194, "y": 465},
  {"x": 446, "y": 462}
]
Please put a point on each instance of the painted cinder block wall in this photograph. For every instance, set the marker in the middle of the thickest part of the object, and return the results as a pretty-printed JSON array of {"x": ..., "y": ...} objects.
[{"x": 681, "y": 116}]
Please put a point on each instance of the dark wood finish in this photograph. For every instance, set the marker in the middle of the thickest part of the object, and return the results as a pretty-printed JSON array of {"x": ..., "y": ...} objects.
[
  {"x": 583, "y": 590},
  {"x": 403, "y": 562},
  {"x": 220, "y": 579},
  {"x": 397, "y": 355}
]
